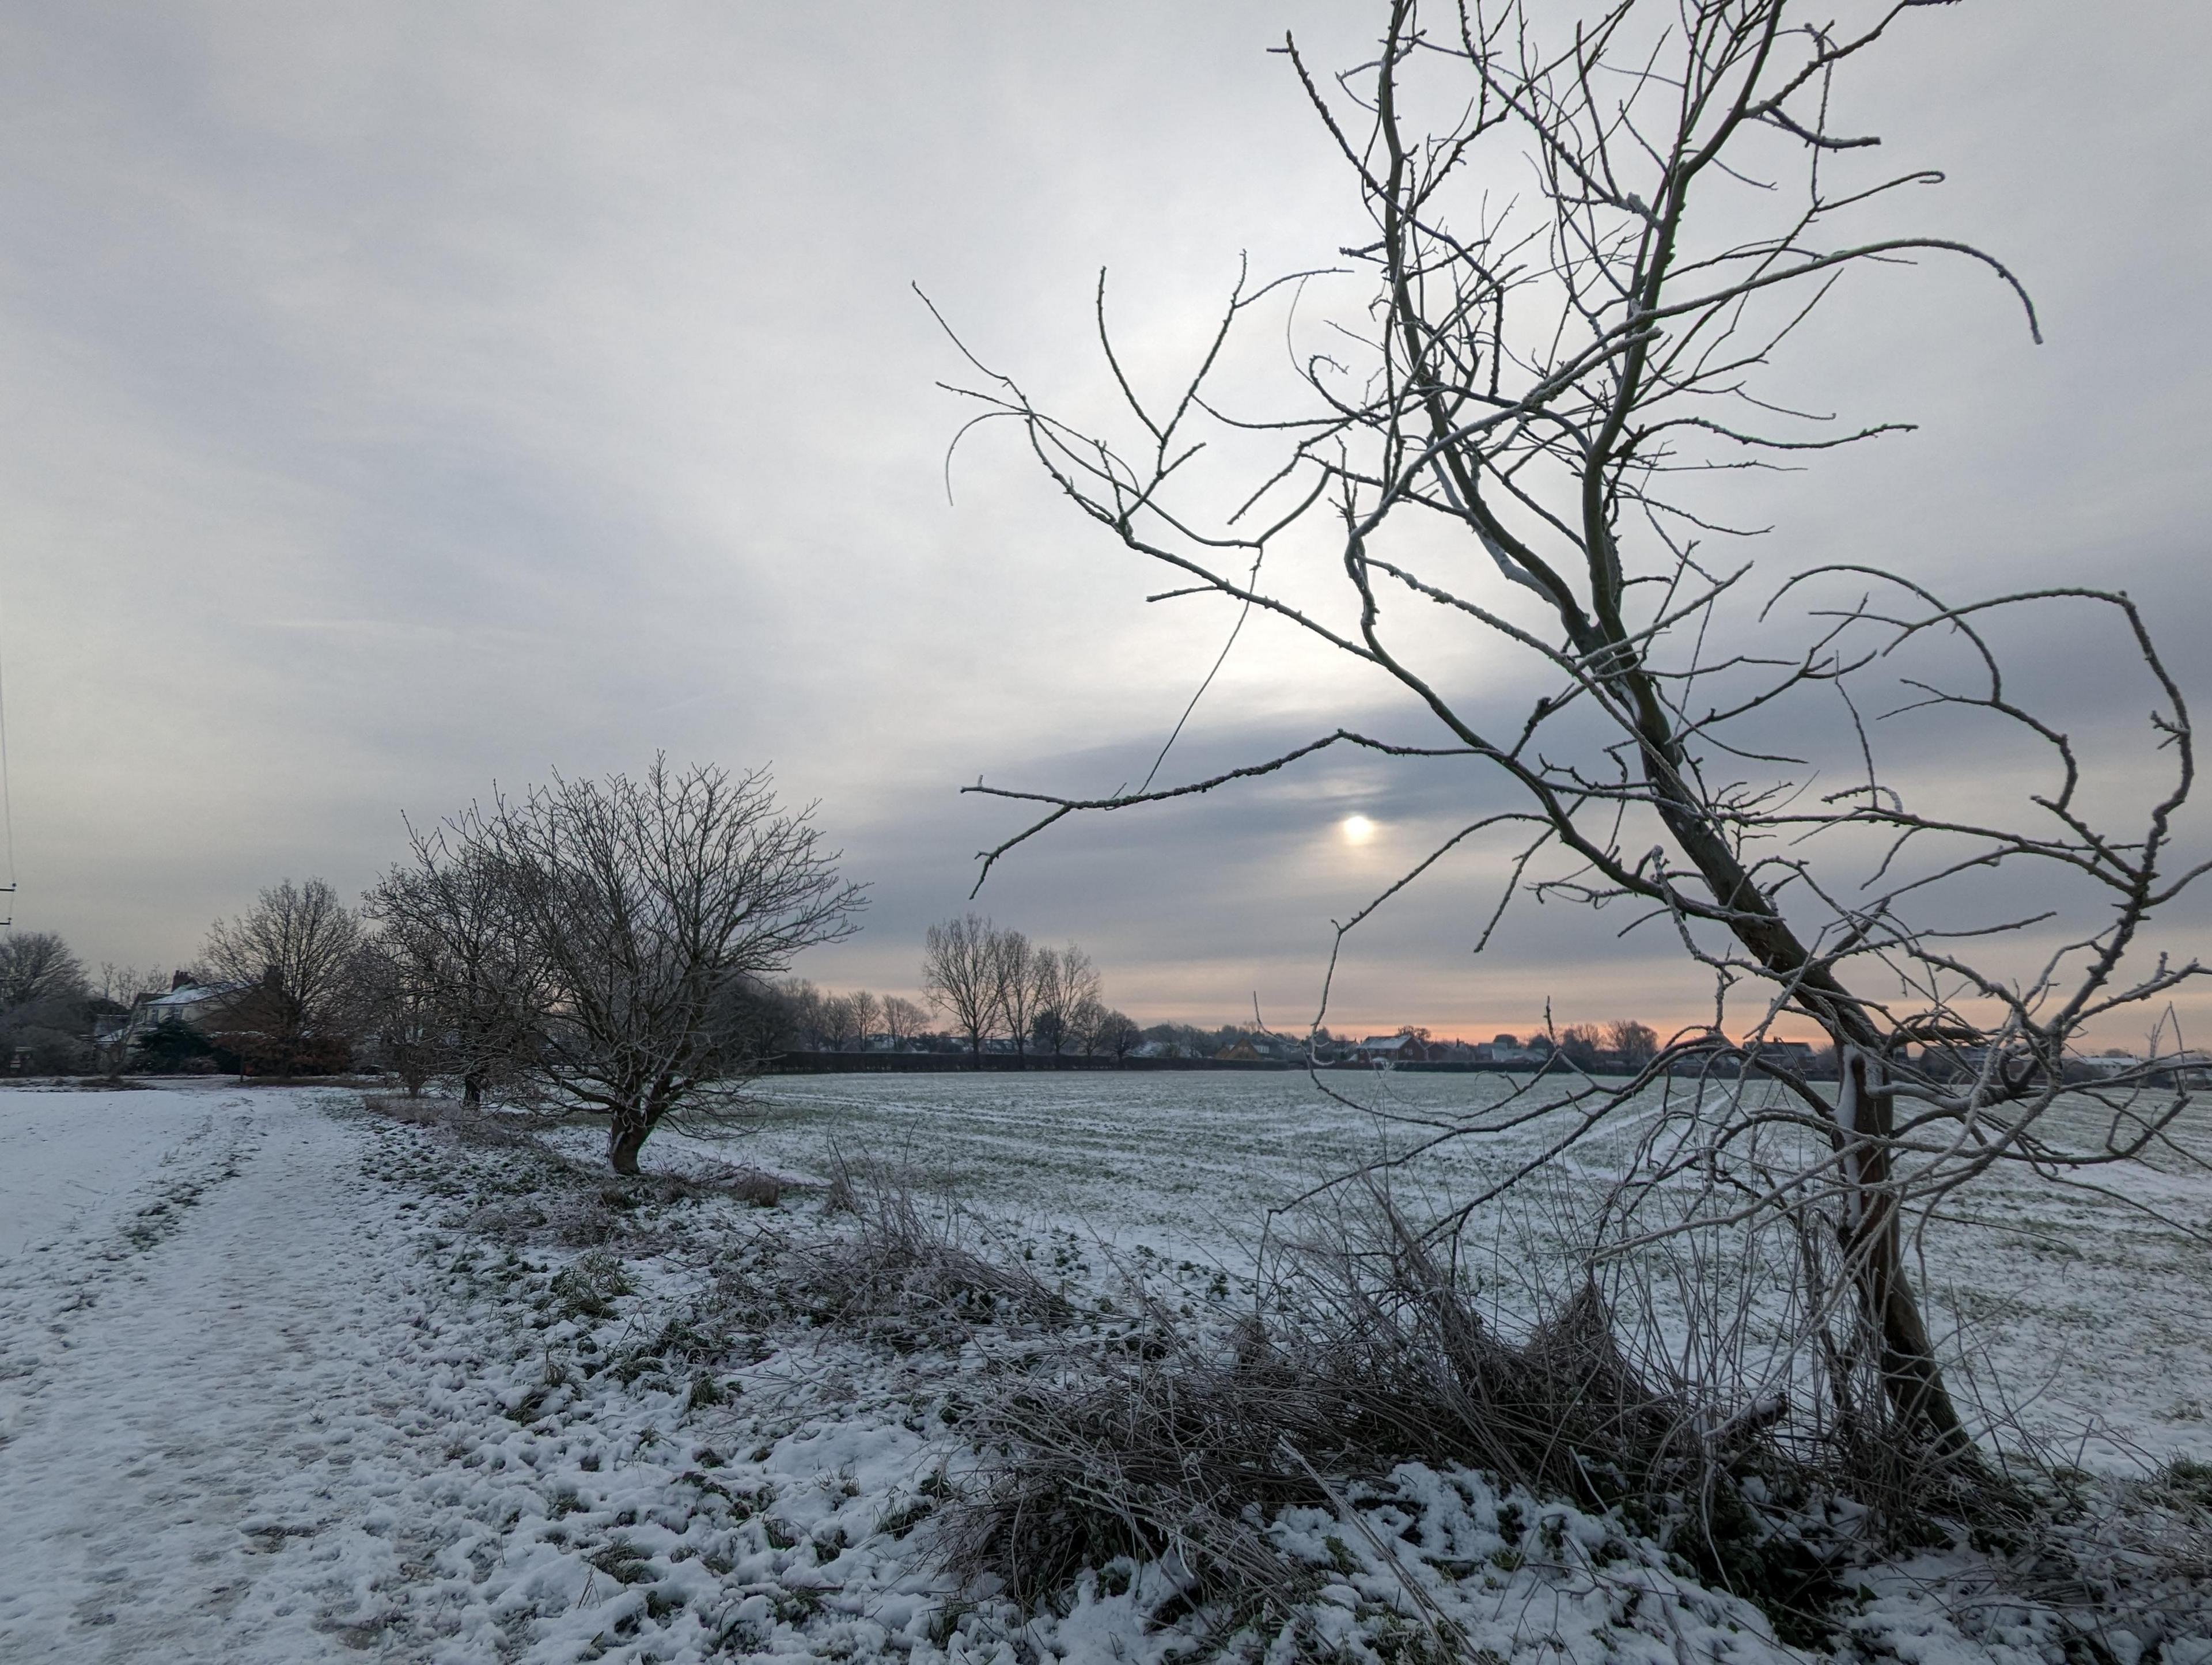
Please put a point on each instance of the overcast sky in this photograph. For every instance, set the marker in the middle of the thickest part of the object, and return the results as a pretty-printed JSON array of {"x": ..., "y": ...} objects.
[{"x": 403, "y": 398}]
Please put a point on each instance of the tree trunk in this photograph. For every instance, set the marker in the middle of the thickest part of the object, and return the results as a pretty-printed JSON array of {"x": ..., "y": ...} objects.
[
  {"x": 471, "y": 1090},
  {"x": 625, "y": 1138},
  {"x": 1863, "y": 1120},
  {"x": 1875, "y": 1247}
]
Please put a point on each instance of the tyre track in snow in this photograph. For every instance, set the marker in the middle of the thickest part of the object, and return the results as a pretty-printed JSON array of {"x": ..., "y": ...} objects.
[
  {"x": 218, "y": 1384},
  {"x": 99, "y": 1242}
]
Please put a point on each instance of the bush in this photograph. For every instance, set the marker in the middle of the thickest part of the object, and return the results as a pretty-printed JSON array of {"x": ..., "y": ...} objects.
[
  {"x": 172, "y": 1046},
  {"x": 1361, "y": 1352},
  {"x": 249, "y": 1053},
  {"x": 905, "y": 1274},
  {"x": 33, "y": 1049}
]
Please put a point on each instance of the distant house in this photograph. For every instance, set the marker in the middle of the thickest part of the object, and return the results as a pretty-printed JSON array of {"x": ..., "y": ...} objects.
[
  {"x": 2183, "y": 1069},
  {"x": 209, "y": 1008},
  {"x": 2127, "y": 1063},
  {"x": 2110, "y": 1063},
  {"x": 1965, "y": 1063},
  {"x": 1792, "y": 1057},
  {"x": 1510, "y": 1052},
  {"x": 1392, "y": 1050},
  {"x": 1242, "y": 1053}
]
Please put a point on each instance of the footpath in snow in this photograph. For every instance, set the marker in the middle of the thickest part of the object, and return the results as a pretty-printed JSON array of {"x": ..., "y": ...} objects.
[
  {"x": 219, "y": 1412},
  {"x": 252, "y": 1413},
  {"x": 286, "y": 1379}
]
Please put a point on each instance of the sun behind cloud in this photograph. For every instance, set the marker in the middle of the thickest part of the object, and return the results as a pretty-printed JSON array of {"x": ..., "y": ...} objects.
[{"x": 1357, "y": 828}]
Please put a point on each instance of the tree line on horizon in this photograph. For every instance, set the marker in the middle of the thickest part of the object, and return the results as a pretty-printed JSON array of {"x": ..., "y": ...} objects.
[
  {"x": 619, "y": 945},
  {"x": 993, "y": 983},
  {"x": 340, "y": 997},
  {"x": 612, "y": 946}
]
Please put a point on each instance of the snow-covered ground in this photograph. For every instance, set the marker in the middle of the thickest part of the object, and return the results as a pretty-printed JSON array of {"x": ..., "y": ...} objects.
[
  {"x": 2098, "y": 1318},
  {"x": 70, "y": 1163},
  {"x": 284, "y": 1379}
]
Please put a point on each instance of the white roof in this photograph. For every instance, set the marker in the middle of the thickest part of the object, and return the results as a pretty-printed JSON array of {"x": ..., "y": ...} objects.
[{"x": 192, "y": 994}]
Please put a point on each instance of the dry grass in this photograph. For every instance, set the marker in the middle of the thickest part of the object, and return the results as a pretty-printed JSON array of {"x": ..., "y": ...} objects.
[
  {"x": 471, "y": 1127},
  {"x": 1360, "y": 1353},
  {"x": 911, "y": 1272},
  {"x": 1363, "y": 1350},
  {"x": 546, "y": 1196},
  {"x": 1174, "y": 1441}
]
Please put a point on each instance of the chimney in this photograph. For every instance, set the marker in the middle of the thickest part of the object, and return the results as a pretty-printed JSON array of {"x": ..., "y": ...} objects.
[{"x": 179, "y": 980}]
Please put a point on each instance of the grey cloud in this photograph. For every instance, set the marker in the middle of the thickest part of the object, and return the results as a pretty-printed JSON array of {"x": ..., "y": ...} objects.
[{"x": 418, "y": 396}]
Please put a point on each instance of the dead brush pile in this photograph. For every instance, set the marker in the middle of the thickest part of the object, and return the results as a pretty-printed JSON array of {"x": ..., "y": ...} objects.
[
  {"x": 1361, "y": 1352},
  {"x": 907, "y": 1274}
]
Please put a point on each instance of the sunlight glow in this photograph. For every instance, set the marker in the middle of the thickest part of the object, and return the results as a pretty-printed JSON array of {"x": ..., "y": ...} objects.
[{"x": 1357, "y": 829}]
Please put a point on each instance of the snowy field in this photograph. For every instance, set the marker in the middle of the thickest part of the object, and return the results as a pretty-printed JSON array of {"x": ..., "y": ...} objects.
[
  {"x": 284, "y": 1379},
  {"x": 2100, "y": 1317}
]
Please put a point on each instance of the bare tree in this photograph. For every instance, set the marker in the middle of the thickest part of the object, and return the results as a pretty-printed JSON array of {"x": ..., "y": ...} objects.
[
  {"x": 1591, "y": 231},
  {"x": 1581, "y": 1043},
  {"x": 840, "y": 1020},
  {"x": 293, "y": 963},
  {"x": 35, "y": 966},
  {"x": 120, "y": 984},
  {"x": 1047, "y": 1020},
  {"x": 464, "y": 975},
  {"x": 1086, "y": 1022},
  {"x": 1083, "y": 995},
  {"x": 801, "y": 1008},
  {"x": 1065, "y": 988},
  {"x": 1116, "y": 1035},
  {"x": 867, "y": 1016},
  {"x": 46, "y": 1005},
  {"x": 1635, "y": 1044},
  {"x": 400, "y": 1017},
  {"x": 1014, "y": 983},
  {"x": 960, "y": 974},
  {"x": 902, "y": 1020},
  {"x": 646, "y": 902}
]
